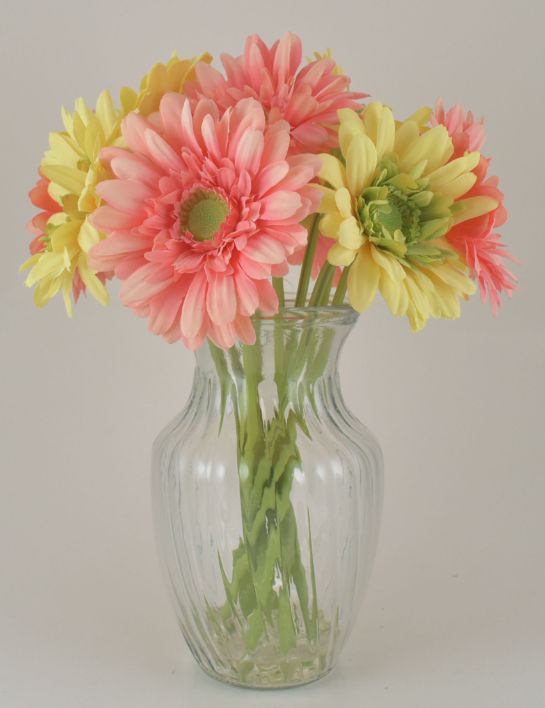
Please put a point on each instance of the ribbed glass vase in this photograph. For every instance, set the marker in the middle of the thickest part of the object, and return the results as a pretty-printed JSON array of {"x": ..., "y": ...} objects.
[{"x": 267, "y": 494}]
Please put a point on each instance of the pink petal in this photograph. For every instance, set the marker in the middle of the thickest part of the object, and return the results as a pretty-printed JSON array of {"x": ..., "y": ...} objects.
[
  {"x": 127, "y": 196},
  {"x": 189, "y": 261},
  {"x": 221, "y": 301},
  {"x": 265, "y": 249},
  {"x": 160, "y": 151},
  {"x": 280, "y": 205},
  {"x": 253, "y": 269},
  {"x": 244, "y": 330},
  {"x": 270, "y": 176},
  {"x": 247, "y": 115},
  {"x": 248, "y": 298},
  {"x": 268, "y": 300},
  {"x": 287, "y": 57},
  {"x": 249, "y": 151},
  {"x": 143, "y": 284},
  {"x": 170, "y": 110},
  {"x": 108, "y": 219},
  {"x": 134, "y": 127},
  {"x": 193, "y": 310},
  {"x": 210, "y": 138},
  {"x": 127, "y": 165},
  {"x": 277, "y": 142},
  {"x": 165, "y": 308},
  {"x": 210, "y": 79}
]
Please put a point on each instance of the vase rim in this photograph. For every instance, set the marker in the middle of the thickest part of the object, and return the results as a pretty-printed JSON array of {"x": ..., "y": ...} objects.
[{"x": 324, "y": 314}]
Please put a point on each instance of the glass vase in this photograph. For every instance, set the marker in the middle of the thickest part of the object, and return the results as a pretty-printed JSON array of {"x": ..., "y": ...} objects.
[{"x": 267, "y": 494}]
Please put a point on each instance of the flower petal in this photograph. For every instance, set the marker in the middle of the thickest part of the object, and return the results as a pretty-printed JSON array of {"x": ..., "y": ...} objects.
[{"x": 363, "y": 279}]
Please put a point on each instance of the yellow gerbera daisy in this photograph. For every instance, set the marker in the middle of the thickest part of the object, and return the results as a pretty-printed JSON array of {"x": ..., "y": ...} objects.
[
  {"x": 390, "y": 203},
  {"x": 73, "y": 169}
]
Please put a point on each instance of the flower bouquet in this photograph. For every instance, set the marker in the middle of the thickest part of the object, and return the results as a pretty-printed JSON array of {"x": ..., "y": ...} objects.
[{"x": 203, "y": 192}]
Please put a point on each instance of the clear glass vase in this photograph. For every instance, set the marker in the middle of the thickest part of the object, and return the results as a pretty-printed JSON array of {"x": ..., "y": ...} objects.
[{"x": 267, "y": 494}]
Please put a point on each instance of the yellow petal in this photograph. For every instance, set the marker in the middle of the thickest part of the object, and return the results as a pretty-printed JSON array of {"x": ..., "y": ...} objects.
[
  {"x": 328, "y": 203},
  {"x": 455, "y": 278},
  {"x": 472, "y": 207},
  {"x": 350, "y": 234},
  {"x": 429, "y": 146},
  {"x": 65, "y": 236},
  {"x": 418, "y": 309},
  {"x": 343, "y": 202},
  {"x": 421, "y": 116},
  {"x": 88, "y": 236},
  {"x": 445, "y": 174},
  {"x": 66, "y": 292},
  {"x": 106, "y": 112},
  {"x": 62, "y": 151},
  {"x": 30, "y": 262},
  {"x": 386, "y": 130},
  {"x": 363, "y": 278},
  {"x": 350, "y": 124},
  {"x": 371, "y": 119},
  {"x": 330, "y": 224},
  {"x": 361, "y": 163},
  {"x": 394, "y": 294},
  {"x": 332, "y": 171},
  {"x": 389, "y": 263},
  {"x": 93, "y": 284},
  {"x": 71, "y": 179},
  {"x": 406, "y": 134},
  {"x": 46, "y": 289},
  {"x": 49, "y": 264},
  {"x": 340, "y": 256},
  {"x": 459, "y": 186}
]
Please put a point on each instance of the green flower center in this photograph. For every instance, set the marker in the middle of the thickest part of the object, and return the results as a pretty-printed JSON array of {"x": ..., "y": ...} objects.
[
  {"x": 203, "y": 214},
  {"x": 399, "y": 214},
  {"x": 395, "y": 212}
]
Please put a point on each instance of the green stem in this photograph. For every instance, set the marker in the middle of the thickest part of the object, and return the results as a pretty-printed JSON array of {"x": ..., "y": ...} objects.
[
  {"x": 306, "y": 268},
  {"x": 320, "y": 294},
  {"x": 278, "y": 285},
  {"x": 338, "y": 298}
]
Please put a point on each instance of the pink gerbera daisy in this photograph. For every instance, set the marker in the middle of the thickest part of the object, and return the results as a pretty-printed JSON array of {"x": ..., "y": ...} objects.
[
  {"x": 475, "y": 239},
  {"x": 307, "y": 98},
  {"x": 205, "y": 207}
]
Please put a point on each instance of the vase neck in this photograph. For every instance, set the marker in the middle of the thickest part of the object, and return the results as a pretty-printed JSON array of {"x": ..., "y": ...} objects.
[{"x": 297, "y": 349}]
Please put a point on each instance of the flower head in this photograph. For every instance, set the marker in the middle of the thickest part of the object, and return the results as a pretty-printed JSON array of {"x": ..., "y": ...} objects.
[
  {"x": 475, "y": 239},
  {"x": 204, "y": 208},
  {"x": 389, "y": 207},
  {"x": 71, "y": 170},
  {"x": 307, "y": 98}
]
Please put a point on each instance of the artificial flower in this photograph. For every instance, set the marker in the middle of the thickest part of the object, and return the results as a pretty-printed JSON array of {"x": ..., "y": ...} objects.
[
  {"x": 475, "y": 239},
  {"x": 72, "y": 169},
  {"x": 205, "y": 207},
  {"x": 307, "y": 98},
  {"x": 391, "y": 202}
]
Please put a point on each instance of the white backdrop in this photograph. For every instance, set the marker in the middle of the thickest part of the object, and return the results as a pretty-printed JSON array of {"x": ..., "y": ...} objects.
[{"x": 454, "y": 613}]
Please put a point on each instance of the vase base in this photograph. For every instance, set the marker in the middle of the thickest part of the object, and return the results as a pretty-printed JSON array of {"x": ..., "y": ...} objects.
[{"x": 264, "y": 682}]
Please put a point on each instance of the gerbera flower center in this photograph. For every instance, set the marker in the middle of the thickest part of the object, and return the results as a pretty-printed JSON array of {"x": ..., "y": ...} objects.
[
  {"x": 203, "y": 213},
  {"x": 386, "y": 210},
  {"x": 400, "y": 213}
]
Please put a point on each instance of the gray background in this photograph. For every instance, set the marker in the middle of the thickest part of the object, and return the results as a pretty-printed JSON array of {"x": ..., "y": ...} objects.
[{"x": 454, "y": 615}]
